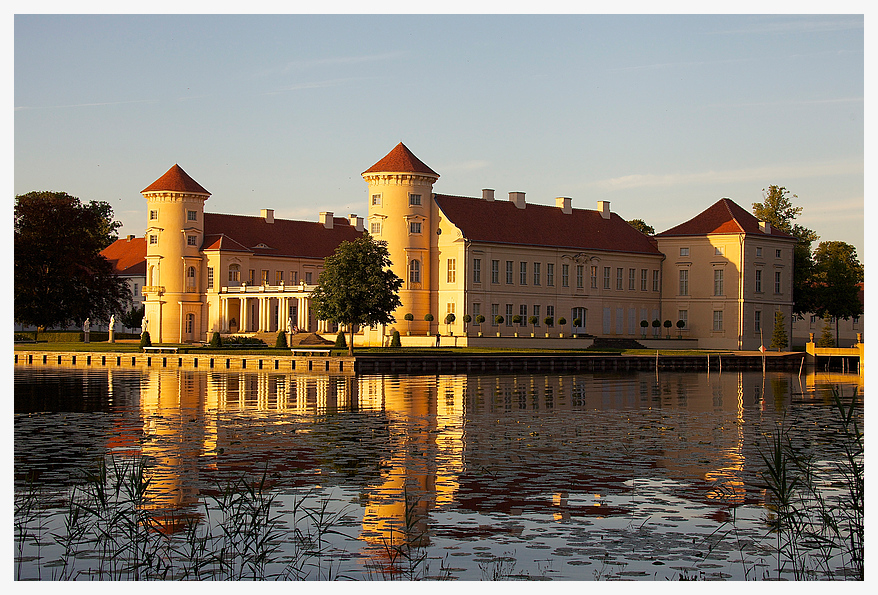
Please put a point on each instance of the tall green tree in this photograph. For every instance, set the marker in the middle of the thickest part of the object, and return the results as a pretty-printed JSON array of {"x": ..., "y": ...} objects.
[
  {"x": 60, "y": 275},
  {"x": 779, "y": 338},
  {"x": 777, "y": 209},
  {"x": 357, "y": 286},
  {"x": 641, "y": 226},
  {"x": 837, "y": 279}
]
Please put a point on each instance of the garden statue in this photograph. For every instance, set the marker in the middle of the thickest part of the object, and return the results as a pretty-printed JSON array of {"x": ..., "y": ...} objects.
[
  {"x": 112, "y": 326},
  {"x": 86, "y": 328}
]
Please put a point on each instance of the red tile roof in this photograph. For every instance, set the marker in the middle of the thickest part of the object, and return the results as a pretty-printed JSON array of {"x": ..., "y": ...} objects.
[
  {"x": 284, "y": 237},
  {"x": 128, "y": 256},
  {"x": 401, "y": 160},
  {"x": 724, "y": 216},
  {"x": 501, "y": 222},
  {"x": 176, "y": 180}
]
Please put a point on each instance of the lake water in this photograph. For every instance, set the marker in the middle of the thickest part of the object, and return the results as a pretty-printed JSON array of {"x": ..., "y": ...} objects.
[{"x": 468, "y": 477}]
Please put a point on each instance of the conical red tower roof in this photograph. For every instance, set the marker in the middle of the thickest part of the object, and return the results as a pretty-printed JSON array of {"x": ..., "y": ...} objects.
[
  {"x": 176, "y": 180},
  {"x": 400, "y": 159}
]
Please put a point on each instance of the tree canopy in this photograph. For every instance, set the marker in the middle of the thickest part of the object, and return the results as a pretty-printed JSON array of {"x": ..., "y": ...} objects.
[
  {"x": 60, "y": 275},
  {"x": 836, "y": 281},
  {"x": 357, "y": 286},
  {"x": 778, "y": 210},
  {"x": 641, "y": 226}
]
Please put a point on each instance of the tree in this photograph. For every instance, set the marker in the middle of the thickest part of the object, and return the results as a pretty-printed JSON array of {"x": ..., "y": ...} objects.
[
  {"x": 479, "y": 320},
  {"x": 449, "y": 320},
  {"x": 357, "y": 287},
  {"x": 779, "y": 337},
  {"x": 668, "y": 326},
  {"x": 408, "y": 318},
  {"x": 641, "y": 226},
  {"x": 777, "y": 209},
  {"x": 133, "y": 318},
  {"x": 837, "y": 278},
  {"x": 60, "y": 275},
  {"x": 826, "y": 339},
  {"x": 281, "y": 341}
]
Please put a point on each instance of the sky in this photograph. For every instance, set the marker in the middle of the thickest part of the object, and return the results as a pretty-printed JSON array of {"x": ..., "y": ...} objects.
[{"x": 662, "y": 115}]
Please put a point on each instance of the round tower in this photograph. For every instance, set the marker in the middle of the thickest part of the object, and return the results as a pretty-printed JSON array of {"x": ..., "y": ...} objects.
[
  {"x": 400, "y": 206},
  {"x": 174, "y": 294}
]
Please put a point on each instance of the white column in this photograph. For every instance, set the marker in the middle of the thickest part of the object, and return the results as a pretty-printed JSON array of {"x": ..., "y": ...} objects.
[{"x": 242, "y": 324}]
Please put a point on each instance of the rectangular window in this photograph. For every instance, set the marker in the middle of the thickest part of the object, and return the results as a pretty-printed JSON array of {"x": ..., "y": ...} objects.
[
  {"x": 153, "y": 239},
  {"x": 550, "y": 274},
  {"x": 209, "y": 279},
  {"x": 759, "y": 251},
  {"x": 375, "y": 229},
  {"x": 619, "y": 278},
  {"x": 718, "y": 282},
  {"x": 522, "y": 311},
  {"x": 414, "y": 199},
  {"x": 308, "y": 277},
  {"x": 644, "y": 276},
  {"x": 451, "y": 272},
  {"x": 550, "y": 313},
  {"x": 414, "y": 227},
  {"x": 655, "y": 280},
  {"x": 376, "y": 199},
  {"x": 278, "y": 277},
  {"x": 153, "y": 215},
  {"x": 294, "y": 277},
  {"x": 191, "y": 240},
  {"x": 580, "y": 279},
  {"x": 495, "y": 271},
  {"x": 477, "y": 310},
  {"x": 495, "y": 312},
  {"x": 717, "y": 320},
  {"x": 477, "y": 270},
  {"x": 632, "y": 279},
  {"x": 522, "y": 273},
  {"x": 606, "y": 277},
  {"x": 684, "y": 316},
  {"x": 192, "y": 215},
  {"x": 684, "y": 282},
  {"x": 565, "y": 275},
  {"x": 757, "y": 321},
  {"x": 758, "y": 280},
  {"x": 265, "y": 277},
  {"x": 594, "y": 277},
  {"x": 777, "y": 253},
  {"x": 777, "y": 282},
  {"x": 508, "y": 314},
  {"x": 508, "y": 272},
  {"x": 251, "y": 280},
  {"x": 684, "y": 251},
  {"x": 537, "y": 314},
  {"x": 536, "y": 273},
  {"x": 135, "y": 293},
  {"x": 718, "y": 251}
]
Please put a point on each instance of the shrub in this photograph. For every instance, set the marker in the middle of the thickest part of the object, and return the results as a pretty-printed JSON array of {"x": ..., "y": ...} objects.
[
  {"x": 549, "y": 321},
  {"x": 450, "y": 318},
  {"x": 562, "y": 321},
  {"x": 216, "y": 340},
  {"x": 340, "y": 342},
  {"x": 145, "y": 340},
  {"x": 467, "y": 318},
  {"x": 281, "y": 342},
  {"x": 394, "y": 340}
]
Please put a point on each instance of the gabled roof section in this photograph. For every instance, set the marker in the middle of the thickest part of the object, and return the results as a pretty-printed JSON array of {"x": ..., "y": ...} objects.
[
  {"x": 501, "y": 222},
  {"x": 128, "y": 257},
  {"x": 401, "y": 160},
  {"x": 176, "y": 180},
  {"x": 724, "y": 216},
  {"x": 284, "y": 237}
]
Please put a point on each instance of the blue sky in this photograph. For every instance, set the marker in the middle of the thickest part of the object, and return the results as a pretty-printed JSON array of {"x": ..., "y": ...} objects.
[{"x": 662, "y": 115}]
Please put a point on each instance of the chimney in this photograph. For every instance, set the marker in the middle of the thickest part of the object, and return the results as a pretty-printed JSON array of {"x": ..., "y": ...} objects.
[
  {"x": 129, "y": 238},
  {"x": 326, "y": 219},
  {"x": 604, "y": 208},
  {"x": 765, "y": 227},
  {"x": 488, "y": 194},
  {"x": 518, "y": 199},
  {"x": 357, "y": 222},
  {"x": 563, "y": 203},
  {"x": 267, "y": 214}
]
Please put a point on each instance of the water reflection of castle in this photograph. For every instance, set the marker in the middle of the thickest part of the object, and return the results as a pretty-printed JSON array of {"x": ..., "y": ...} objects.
[{"x": 479, "y": 443}]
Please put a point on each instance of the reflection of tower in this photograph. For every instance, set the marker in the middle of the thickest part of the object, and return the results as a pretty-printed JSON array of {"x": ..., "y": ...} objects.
[
  {"x": 422, "y": 471},
  {"x": 400, "y": 213},
  {"x": 174, "y": 271}
]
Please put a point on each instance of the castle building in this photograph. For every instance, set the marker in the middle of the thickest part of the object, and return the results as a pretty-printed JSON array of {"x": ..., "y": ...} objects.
[{"x": 723, "y": 272}]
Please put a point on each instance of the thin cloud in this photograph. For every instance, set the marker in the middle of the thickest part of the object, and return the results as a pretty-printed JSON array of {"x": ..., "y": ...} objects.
[
  {"x": 72, "y": 105},
  {"x": 753, "y": 174},
  {"x": 334, "y": 61},
  {"x": 316, "y": 85}
]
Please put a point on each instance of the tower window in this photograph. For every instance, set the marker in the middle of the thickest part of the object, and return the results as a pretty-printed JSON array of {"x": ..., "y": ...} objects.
[
  {"x": 414, "y": 271},
  {"x": 414, "y": 199},
  {"x": 153, "y": 239},
  {"x": 451, "y": 270},
  {"x": 376, "y": 199},
  {"x": 192, "y": 215},
  {"x": 415, "y": 227},
  {"x": 153, "y": 215},
  {"x": 191, "y": 240},
  {"x": 375, "y": 229}
]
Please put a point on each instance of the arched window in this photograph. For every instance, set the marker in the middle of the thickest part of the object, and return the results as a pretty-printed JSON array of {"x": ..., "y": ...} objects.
[
  {"x": 190, "y": 279},
  {"x": 414, "y": 271}
]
